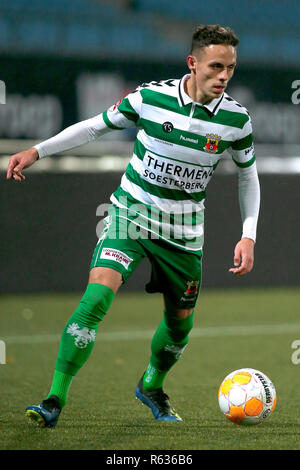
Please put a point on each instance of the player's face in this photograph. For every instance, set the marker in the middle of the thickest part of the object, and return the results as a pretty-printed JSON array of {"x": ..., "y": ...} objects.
[{"x": 211, "y": 69}]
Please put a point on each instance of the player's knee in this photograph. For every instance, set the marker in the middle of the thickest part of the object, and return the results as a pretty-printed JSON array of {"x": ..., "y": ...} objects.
[
  {"x": 106, "y": 276},
  {"x": 96, "y": 300},
  {"x": 173, "y": 310},
  {"x": 179, "y": 328}
]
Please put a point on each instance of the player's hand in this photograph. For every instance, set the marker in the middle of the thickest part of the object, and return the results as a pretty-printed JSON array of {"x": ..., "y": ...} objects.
[
  {"x": 19, "y": 162},
  {"x": 243, "y": 257}
]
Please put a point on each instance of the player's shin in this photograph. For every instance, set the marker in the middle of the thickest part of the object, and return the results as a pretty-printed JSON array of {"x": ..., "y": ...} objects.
[
  {"x": 78, "y": 337},
  {"x": 168, "y": 344}
]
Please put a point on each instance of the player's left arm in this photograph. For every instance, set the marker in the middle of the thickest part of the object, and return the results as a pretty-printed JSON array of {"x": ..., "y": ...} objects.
[{"x": 243, "y": 154}]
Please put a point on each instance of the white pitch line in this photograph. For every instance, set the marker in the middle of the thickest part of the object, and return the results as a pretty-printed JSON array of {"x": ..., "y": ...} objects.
[{"x": 206, "y": 332}]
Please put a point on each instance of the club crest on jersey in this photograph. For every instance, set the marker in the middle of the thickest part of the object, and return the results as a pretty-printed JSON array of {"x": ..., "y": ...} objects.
[
  {"x": 192, "y": 288},
  {"x": 212, "y": 142}
]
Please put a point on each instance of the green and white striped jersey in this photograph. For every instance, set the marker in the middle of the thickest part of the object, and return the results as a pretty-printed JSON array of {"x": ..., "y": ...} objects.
[{"x": 177, "y": 149}]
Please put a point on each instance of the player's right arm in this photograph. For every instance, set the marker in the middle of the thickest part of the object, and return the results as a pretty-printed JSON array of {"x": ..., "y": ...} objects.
[{"x": 122, "y": 115}]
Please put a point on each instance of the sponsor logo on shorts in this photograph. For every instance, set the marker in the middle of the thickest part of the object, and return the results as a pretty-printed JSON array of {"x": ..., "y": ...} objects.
[
  {"x": 192, "y": 288},
  {"x": 191, "y": 292},
  {"x": 116, "y": 255}
]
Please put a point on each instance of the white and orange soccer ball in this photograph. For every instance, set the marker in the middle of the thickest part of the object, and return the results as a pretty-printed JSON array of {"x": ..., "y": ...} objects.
[{"x": 247, "y": 396}]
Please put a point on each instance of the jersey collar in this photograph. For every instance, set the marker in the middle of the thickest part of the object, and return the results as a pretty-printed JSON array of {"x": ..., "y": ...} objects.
[{"x": 184, "y": 99}]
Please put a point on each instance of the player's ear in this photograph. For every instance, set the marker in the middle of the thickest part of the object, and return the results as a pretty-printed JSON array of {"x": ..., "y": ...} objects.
[{"x": 191, "y": 62}]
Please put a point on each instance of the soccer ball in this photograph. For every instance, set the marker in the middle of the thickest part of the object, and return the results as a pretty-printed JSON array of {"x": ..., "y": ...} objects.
[{"x": 247, "y": 396}]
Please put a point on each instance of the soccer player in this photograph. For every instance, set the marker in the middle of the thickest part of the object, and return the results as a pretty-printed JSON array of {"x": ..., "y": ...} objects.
[{"x": 184, "y": 127}]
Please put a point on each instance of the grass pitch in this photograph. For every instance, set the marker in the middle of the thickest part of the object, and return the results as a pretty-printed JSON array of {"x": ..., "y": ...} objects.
[{"x": 233, "y": 329}]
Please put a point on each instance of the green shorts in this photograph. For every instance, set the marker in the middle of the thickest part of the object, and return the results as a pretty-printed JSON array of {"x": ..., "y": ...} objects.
[{"x": 176, "y": 273}]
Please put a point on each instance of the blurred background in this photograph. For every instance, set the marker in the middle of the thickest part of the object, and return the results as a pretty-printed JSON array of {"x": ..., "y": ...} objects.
[{"x": 63, "y": 61}]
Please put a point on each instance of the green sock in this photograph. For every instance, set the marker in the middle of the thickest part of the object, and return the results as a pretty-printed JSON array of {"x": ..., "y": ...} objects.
[
  {"x": 79, "y": 336},
  {"x": 153, "y": 378},
  {"x": 167, "y": 346},
  {"x": 60, "y": 386}
]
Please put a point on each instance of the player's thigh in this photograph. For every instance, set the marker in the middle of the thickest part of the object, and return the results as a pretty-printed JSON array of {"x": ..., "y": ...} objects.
[
  {"x": 106, "y": 276},
  {"x": 116, "y": 255},
  {"x": 177, "y": 275}
]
